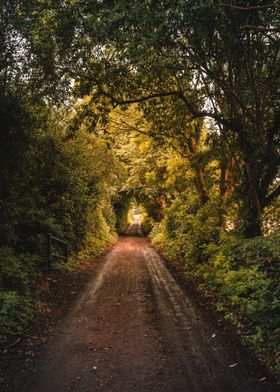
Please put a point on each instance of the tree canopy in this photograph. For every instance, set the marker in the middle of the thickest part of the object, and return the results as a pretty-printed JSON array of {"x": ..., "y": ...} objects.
[
  {"x": 170, "y": 105},
  {"x": 180, "y": 62}
]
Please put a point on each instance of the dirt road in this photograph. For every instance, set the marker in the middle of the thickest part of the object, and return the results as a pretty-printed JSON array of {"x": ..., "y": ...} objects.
[{"x": 133, "y": 329}]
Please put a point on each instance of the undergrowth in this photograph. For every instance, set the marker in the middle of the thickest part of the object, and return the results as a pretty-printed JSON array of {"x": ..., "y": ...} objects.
[
  {"x": 21, "y": 274},
  {"x": 18, "y": 300},
  {"x": 243, "y": 274}
]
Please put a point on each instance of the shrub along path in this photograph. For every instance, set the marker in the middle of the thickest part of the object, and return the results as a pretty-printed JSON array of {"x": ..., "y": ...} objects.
[{"x": 134, "y": 329}]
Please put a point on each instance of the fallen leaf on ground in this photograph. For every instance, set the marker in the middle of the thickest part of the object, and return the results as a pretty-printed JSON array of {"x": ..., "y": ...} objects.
[{"x": 233, "y": 365}]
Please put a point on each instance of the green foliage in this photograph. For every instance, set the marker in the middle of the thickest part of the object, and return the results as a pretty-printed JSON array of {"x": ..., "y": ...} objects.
[
  {"x": 239, "y": 101},
  {"x": 259, "y": 249},
  {"x": 17, "y": 271},
  {"x": 51, "y": 182},
  {"x": 195, "y": 178},
  {"x": 122, "y": 207},
  {"x": 16, "y": 310},
  {"x": 100, "y": 232},
  {"x": 243, "y": 273},
  {"x": 78, "y": 173},
  {"x": 187, "y": 230},
  {"x": 147, "y": 224},
  {"x": 247, "y": 288},
  {"x": 17, "y": 290}
]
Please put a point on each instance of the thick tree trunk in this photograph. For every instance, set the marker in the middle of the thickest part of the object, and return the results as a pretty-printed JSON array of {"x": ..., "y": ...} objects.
[
  {"x": 251, "y": 204},
  {"x": 251, "y": 209},
  {"x": 251, "y": 219}
]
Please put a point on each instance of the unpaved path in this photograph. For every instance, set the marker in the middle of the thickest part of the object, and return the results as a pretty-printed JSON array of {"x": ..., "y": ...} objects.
[{"x": 133, "y": 329}]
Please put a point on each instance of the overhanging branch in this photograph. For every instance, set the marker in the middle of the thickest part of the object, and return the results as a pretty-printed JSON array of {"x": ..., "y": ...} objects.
[
  {"x": 178, "y": 93},
  {"x": 261, "y": 29},
  {"x": 272, "y": 196},
  {"x": 119, "y": 101},
  {"x": 250, "y": 8}
]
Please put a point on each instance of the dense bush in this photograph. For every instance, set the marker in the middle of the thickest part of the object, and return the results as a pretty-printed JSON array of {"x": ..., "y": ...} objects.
[
  {"x": 17, "y": 271},
  {"x": 15, "y": 312},
  {"x": 54, "y": 182},
  {"x": 243, "y": 273},
  {"x": 186, "y": 230},
  {"x": 147, "y": 224},
  {"x": 122, "y": 206},
  {"x": 246, "y": 275},
  {"x": 17, "y": 289}
]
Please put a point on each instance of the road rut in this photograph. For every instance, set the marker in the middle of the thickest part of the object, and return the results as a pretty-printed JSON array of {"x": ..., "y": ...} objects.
[{"x": 134, "y": 329}]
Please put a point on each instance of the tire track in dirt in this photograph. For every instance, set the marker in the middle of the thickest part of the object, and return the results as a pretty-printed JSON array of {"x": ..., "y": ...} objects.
[{"x": 134, "y": 329}]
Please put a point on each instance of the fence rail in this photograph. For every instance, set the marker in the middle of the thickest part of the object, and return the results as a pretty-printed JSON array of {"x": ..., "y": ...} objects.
[{"x": 52, "y": 254}]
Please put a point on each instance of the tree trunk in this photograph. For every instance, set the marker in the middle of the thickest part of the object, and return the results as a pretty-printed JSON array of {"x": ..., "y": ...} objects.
[
  {"x": 251, "y": 220},
  {"x": 251, "y": 210},
  {"x": 252, "y": 207},
  {"x": 199, "y": 180},
  {"x": 200, "y": 187}
]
